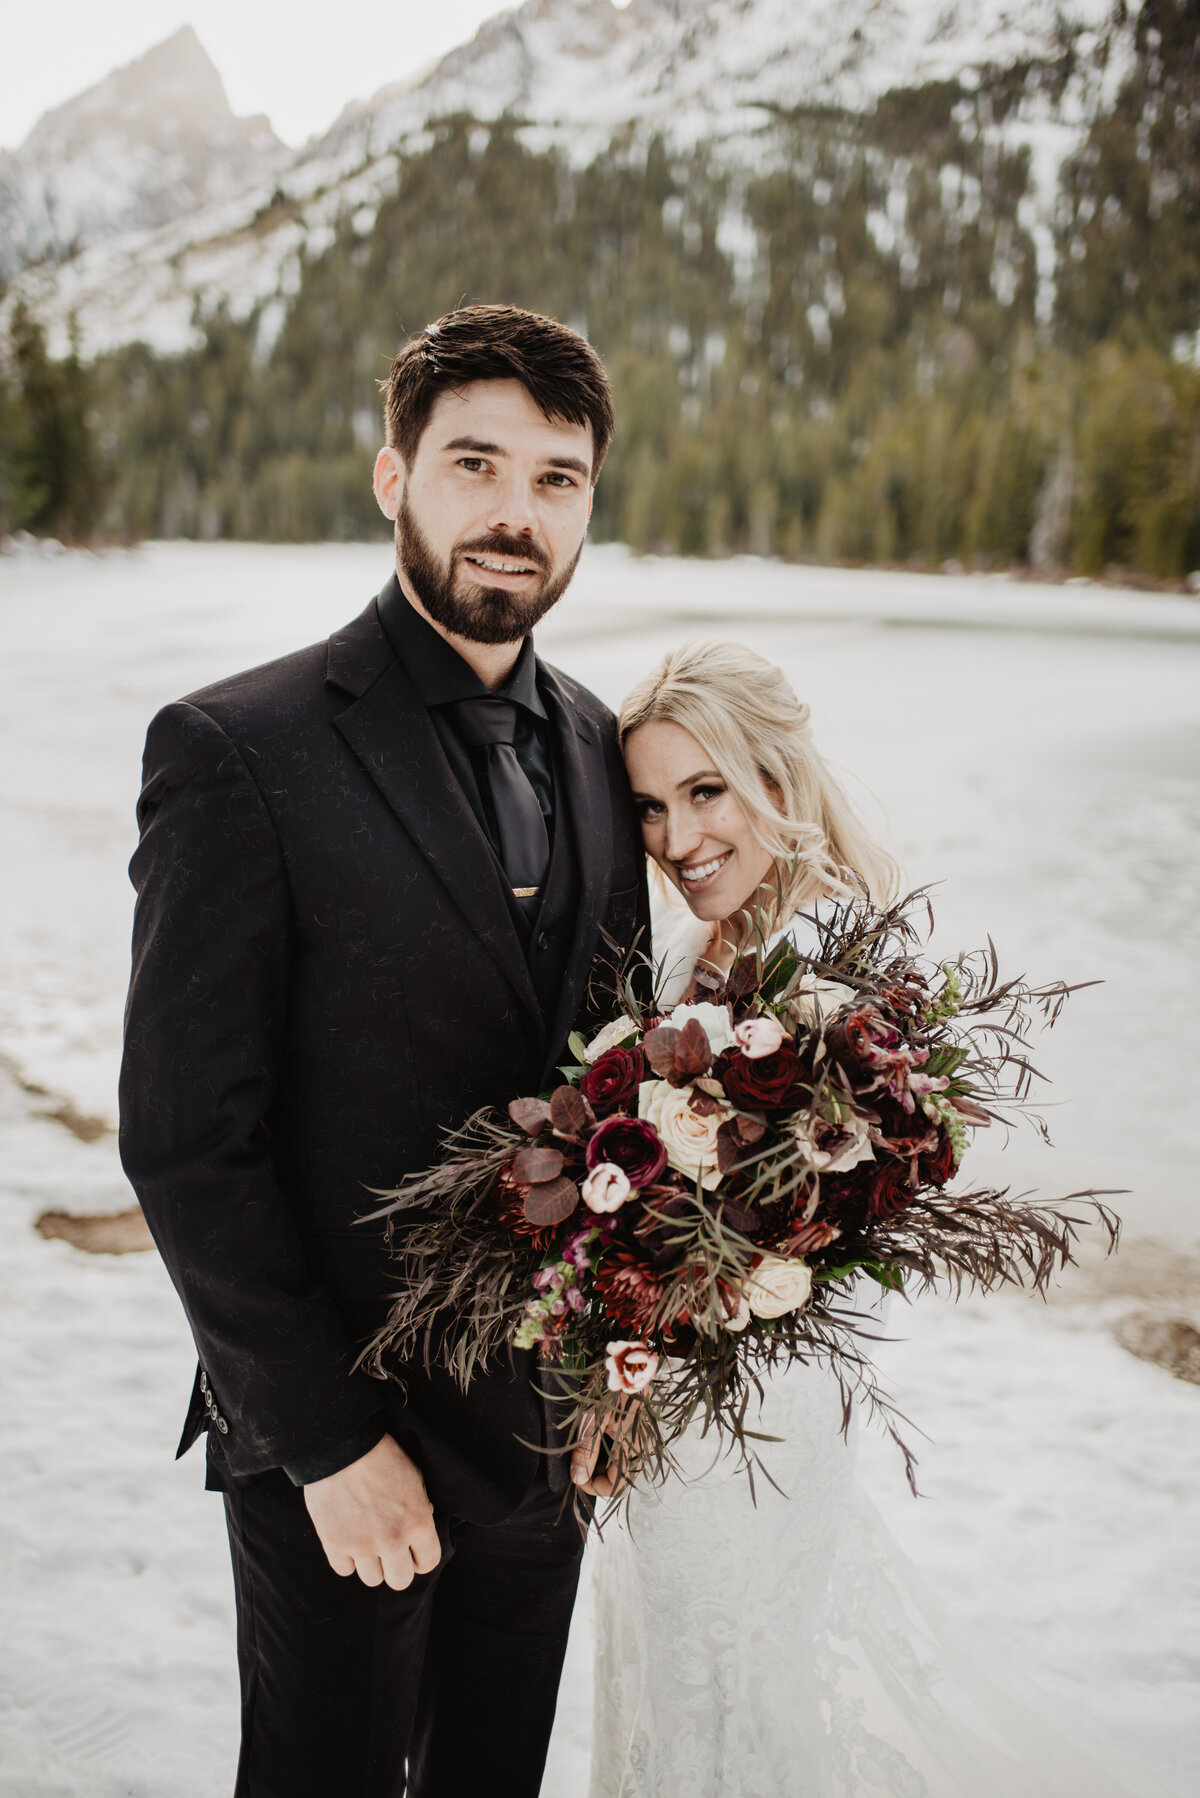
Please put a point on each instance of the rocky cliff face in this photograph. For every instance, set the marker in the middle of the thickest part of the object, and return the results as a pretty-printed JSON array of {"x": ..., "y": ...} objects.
[{"x": 153, "y": 141}]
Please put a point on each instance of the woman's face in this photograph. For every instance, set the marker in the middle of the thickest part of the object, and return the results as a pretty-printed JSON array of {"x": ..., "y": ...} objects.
[{"x": 691, "y": 823}]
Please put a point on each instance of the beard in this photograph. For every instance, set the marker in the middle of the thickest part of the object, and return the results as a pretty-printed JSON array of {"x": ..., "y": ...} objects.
[{"x": 475, "y": 612}]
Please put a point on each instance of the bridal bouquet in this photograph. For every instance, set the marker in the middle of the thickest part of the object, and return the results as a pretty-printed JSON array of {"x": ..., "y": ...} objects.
[{"x": 707, "y": 1193}]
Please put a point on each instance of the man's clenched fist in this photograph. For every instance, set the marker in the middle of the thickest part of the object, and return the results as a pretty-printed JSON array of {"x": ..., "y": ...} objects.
[{"x": 374, "y": 1518}]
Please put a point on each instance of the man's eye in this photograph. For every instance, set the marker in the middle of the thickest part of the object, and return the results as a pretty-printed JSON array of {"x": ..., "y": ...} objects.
[
  {"x": 471, "y": 463},
  {"x": 560, "y": 480}
]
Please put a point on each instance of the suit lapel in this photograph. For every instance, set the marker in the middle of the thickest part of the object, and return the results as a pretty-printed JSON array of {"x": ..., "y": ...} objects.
[
  {"x": 390, "y": 733},
  {"x": 585, "y": 808}
]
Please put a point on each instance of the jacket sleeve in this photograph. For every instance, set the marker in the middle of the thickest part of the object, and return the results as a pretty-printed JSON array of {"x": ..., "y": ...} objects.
[{"x": 204, "y": 1029}]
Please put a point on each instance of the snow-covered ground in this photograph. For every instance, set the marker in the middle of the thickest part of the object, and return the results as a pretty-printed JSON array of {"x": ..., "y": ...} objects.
[{"x": 1035, "y": 749}]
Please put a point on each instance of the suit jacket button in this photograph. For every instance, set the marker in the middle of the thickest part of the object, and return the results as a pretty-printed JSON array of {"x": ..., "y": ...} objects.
[
  {"x": 543, "y": 941},
  {"x": 221, "y": 1425},
  {"x": 203, "y": 1381}
]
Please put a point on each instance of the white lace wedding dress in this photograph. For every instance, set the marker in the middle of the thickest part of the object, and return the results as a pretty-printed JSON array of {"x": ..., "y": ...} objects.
[{"x": 787, "y": 1649}]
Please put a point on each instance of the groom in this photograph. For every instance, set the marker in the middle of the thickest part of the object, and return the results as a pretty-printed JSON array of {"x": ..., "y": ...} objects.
[{"x": 372, "y": 880}]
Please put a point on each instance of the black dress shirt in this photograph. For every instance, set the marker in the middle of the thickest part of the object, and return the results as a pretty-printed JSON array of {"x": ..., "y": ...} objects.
[{"x": 441, "y": 677}]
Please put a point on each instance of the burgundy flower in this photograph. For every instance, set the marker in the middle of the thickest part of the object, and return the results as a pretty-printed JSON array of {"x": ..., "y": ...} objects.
[
  {"x": 761, "y": 1083},
  {"x": 611, "y": 1083},
  {"x": 890, "y": 1190},
  {"x": 632, "y": 1145},
  {"x": 938, "y": 1165},
  {"x": 627, "y": 1292},
  {"x": 511, "y": 1197}
]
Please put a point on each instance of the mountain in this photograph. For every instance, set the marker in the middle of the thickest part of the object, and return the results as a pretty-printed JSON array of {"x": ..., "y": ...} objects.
[
  {"x": 583, "y": 75},
  {"x": 153, "y": 141},
  {"x": 885, "y": 285},
  {"x": 706, "y": 69}
]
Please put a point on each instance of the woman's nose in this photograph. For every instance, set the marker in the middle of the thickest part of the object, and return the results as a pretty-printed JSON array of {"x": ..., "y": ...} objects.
[{"x": 683, "y": 838}]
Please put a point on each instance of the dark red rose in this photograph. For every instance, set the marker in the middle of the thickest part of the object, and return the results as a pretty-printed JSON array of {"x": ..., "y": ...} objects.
[
  {"x": 759, "y": 1083},
  {"x": 938, "y": 1165},
  {"x": 890, "y": 1190},
  {"x": 631, "y": 1144},
  {"x": 611, "y": 1083}
]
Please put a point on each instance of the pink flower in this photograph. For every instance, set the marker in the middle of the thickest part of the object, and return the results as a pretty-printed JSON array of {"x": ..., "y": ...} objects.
[
  {"x": 575, "y": 1249},
  {"x": 606, "y": 1188},
  {"x": 631, "y": 1366},
  {"x": 758, "y": 1037}
]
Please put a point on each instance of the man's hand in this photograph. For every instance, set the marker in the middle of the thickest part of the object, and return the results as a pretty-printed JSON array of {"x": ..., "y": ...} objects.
[
  {"x": 374, "y": 1518},
  {"x": 613, "y": 1480}
]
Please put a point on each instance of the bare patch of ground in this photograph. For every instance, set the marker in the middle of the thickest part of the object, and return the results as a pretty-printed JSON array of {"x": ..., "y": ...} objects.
[
  {"x": 1149, "y": 1293},
  {"x": 114, "y": 1233},
  {"x": 80, "y": 1123},
  {"x": 1168, "y": 1341},
  {"x": 1142, "y": 1268}
]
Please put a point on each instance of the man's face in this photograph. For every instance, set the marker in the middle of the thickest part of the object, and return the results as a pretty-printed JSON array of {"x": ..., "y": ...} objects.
[{"x": 492, "y": 514}]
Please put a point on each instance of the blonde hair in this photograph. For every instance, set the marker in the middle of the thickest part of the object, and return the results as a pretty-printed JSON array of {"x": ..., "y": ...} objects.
[{"x": 744, "y": 714}]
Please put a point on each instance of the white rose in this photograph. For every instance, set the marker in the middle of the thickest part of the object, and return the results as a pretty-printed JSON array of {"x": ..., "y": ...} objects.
[
  {"x": 777, "y": 1286},
  {"x": 718, "y": 1026},
  {"x": 836, "y": 1148},
  {"x": 816, "y": 999},
  {"x": 606, "y": 1188},
  {"x": 689, "y": 1138},
  {"x": 758, "y": 1037},
  {"x": 608, "y": 1038}
]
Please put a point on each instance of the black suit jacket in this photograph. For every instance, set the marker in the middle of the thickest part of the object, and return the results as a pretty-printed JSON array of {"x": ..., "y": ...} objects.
[{"x": 326, "y": 975}]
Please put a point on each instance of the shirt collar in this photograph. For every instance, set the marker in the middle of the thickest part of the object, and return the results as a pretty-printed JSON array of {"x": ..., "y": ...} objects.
[{"x": 437, "y": 671}]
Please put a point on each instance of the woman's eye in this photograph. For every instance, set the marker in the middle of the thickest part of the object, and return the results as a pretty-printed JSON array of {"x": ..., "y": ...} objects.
[
  {"x": 649, "y": 808},
  {"x": 704, "y": 794}
]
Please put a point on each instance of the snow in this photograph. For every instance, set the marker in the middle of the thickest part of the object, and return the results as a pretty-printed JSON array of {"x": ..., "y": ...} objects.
[{"x": 1037, "y": 749}]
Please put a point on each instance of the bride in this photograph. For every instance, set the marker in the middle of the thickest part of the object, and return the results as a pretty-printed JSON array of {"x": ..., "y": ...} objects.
[{"x": 776, "y": 1646}]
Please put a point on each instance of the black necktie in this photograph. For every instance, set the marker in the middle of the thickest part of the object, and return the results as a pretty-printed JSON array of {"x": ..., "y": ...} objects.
[{"x": 489, "y": 724}]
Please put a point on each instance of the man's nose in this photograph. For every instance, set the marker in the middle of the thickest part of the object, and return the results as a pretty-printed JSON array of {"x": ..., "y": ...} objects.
[{"x": 512, "y": 509}]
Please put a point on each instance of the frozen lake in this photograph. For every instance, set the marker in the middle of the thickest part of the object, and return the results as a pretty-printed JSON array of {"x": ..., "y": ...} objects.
[{"x": 1035, "y": 750}]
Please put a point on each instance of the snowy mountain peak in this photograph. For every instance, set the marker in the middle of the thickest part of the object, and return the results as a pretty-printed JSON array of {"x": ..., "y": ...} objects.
[
  {"x": 703, "y": 69},
  {"x": 152, "y": 140}
]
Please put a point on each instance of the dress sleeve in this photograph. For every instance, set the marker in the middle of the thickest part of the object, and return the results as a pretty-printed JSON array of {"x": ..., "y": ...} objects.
[{"x": 204, "y": 1030}]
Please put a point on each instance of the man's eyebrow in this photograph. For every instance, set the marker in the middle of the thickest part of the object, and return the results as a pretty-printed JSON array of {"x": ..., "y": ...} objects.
[
  {"x": 478, "y": 447},
  {"x": 477, "y": 444}
]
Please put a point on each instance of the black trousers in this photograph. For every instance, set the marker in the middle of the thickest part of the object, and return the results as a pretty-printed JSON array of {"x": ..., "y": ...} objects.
[{"x": 346, "y": 1686}]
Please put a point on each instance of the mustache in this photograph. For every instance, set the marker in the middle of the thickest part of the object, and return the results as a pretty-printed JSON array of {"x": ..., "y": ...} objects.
[{"x": 510, "y": 549}]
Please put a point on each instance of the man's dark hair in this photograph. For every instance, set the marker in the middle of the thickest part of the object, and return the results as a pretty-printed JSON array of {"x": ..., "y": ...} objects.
[{"x": 558, "y": 368}]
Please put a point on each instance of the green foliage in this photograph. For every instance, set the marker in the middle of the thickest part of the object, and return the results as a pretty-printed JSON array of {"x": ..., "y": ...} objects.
[
  {"x": 1130, "y": 234},
  {"x": 49, "y": 479},
  {"x": 838, "y": 357}
]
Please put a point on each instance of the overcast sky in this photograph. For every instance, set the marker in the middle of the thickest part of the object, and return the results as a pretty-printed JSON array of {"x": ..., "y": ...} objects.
[{"x": 272, "y": 57}]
